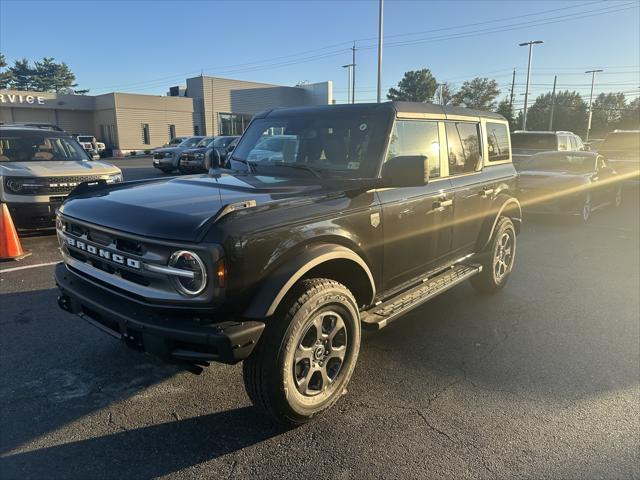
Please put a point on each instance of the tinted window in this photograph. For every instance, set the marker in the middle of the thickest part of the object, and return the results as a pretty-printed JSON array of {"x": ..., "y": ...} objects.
[
  {"x": 497, "y": 141},
  {"x": 561, "y": 162},
  {"x": 541, "y": 141},
  {"x": 416, "y": 138},
  {"x": 464, "y": 147},
  {"x": 146, "y": 139}
]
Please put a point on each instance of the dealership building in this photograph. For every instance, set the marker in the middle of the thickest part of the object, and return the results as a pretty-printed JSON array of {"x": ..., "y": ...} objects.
[{"x": 127, "y": 121}]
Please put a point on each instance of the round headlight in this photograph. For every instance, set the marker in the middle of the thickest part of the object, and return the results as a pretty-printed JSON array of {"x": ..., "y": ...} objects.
[{"x": 189, "y": 262}]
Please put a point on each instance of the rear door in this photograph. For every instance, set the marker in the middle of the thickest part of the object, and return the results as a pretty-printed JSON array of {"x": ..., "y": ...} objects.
[
  {"x": 416, "y": 220},
  {"x": 471, "y": 199}
]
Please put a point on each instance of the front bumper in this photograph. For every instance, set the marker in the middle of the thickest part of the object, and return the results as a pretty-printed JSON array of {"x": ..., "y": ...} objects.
[
  {"x": 167, "y": 162},
  {"x": 173, "y": 338},
  {"x": 34, "y": 216}
]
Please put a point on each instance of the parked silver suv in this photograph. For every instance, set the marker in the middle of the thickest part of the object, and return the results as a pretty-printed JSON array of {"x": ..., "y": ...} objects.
[
  {"x": 39, "y": 167},
  {"x": 527, "y": 143}
]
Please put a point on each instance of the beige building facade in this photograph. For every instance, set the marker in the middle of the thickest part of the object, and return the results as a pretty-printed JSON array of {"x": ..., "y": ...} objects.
[{"x": 126, "y": 121}]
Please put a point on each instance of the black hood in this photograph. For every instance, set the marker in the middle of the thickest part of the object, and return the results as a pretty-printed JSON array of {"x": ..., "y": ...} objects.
[
  {"x": 193, "y": 151},
  {"x": 183, "y": 208}
]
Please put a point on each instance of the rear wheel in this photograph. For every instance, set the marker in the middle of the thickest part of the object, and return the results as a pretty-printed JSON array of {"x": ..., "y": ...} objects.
[
  {"x": 499, "y": 259},
  {"x": 307, "y": 354}
]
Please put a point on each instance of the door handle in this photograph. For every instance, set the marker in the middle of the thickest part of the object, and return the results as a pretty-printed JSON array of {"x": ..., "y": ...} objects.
[
  {"x": 441, "y": 204},
  {"x": 486, "y": 192}
]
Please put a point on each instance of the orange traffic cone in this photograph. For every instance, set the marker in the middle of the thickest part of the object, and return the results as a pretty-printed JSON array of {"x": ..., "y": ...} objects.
[{"x": 10, "y": 248}]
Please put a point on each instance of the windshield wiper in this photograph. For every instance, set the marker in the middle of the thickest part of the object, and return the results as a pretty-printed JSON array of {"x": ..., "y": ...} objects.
[{"x": 300, "y": 166}]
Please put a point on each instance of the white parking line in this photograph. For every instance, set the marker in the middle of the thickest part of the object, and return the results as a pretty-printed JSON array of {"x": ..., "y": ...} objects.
[{"x": 14, "y": 269}]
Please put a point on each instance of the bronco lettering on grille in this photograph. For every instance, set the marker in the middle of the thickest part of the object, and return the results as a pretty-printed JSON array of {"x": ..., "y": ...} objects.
[{"x": 102, "y": 253}]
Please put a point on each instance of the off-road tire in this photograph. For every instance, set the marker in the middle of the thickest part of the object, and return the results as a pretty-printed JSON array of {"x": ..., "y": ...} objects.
[
  {"x": 269, "y": 373},
  {"x": 488, "y": 281}
]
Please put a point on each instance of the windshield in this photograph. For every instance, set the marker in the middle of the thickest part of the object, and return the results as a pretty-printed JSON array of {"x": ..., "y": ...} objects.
[
  {"x": 560, "y": 162},
  {"x": 205, "y": 142},
  {"x": 540, "y": 141},
  {"x": 38, "y": 147},
  {"x": 223, "y": 142},
  {"x": 622, "y": 141},
  {"x": 190, "y": 142},
  {"x": 350, "y": 145}
]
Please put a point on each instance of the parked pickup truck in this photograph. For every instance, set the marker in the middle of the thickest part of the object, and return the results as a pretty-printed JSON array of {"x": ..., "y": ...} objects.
[{"x": 373, "y": 210}]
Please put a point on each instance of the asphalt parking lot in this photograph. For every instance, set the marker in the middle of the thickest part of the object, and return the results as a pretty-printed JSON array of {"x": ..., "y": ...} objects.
[{"x": 538, "y": 381}]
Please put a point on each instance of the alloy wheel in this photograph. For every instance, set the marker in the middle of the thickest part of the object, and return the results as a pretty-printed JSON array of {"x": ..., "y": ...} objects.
[
  {"x": 503, "y": 257},
  {"x": 320, "y": 353}
]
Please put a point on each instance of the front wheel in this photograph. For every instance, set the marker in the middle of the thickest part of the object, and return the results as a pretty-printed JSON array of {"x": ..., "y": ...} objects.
[
  {"x": 306, "y": 356},
  {"x": 499, "y": 259}
]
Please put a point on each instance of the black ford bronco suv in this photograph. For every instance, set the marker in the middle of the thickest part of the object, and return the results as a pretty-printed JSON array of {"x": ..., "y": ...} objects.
[{"x": 280, "y": 258}]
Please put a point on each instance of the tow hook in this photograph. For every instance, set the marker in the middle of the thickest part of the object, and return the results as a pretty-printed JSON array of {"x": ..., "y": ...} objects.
[{"x": 64, "y": 302}]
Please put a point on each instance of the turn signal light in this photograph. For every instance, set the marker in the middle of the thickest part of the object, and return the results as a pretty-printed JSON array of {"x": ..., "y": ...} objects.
[{"x": 221, "y": 273}]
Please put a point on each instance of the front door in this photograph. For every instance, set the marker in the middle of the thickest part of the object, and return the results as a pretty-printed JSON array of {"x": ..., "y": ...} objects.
[{"x": 416, "y": 221}]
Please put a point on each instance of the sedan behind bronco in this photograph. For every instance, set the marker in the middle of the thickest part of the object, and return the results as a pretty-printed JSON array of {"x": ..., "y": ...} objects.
[{"x": 367, "y": 211}]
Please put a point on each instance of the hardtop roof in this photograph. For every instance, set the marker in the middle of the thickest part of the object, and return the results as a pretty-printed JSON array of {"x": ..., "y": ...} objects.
[{"x": 398, "y": 109}]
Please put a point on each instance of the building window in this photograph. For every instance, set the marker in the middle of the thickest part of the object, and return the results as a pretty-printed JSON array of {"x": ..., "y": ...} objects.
[
  {"x": 233, "y": 123},
  {"x": 146, "y": 139},
  {"x": 497, "y": 141},
  {"x": 172, "y": 132},
  {"x": 196, "y": 130}
]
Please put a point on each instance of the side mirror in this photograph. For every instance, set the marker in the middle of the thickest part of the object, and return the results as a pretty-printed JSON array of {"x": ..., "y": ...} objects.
[
  {"x": 405, "y": 171},
  {"x": 211, "y": 159}
]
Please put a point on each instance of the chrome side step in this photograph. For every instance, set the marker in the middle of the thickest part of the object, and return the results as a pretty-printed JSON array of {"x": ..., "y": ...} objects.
[{"x": 381, "y": 315}]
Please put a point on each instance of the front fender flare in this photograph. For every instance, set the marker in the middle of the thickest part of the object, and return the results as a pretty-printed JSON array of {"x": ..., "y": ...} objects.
[{"x": 275, "y": 286}]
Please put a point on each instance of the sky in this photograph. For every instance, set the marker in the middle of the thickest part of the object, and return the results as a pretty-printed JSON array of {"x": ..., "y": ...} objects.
[{"x": 148, "y": 46}]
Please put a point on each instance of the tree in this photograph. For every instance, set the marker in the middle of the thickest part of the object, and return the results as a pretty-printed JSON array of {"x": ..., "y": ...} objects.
[
  {"x": 607, "y": 112},
  {"x": 506, "y": 110},
  {"x": 570, "y": 112},
  {"x": 23, "y": 76},
  {"x": 5, "y": 74},
  {"x": 45, "y": 76},
  {"x": 445, "y": 96},
  {"x": 415, "y": 86},
  {"x": 630, "y": 119},
  {"x": 479, "y": 93}
]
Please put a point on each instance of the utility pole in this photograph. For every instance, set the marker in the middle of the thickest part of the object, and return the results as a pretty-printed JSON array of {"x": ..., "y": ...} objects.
[
  {"x": 353, "y": 77},
  {"x": 513, "y": 85},
  {"x": 553, "y": 102},
  {"x": 593, "y": 80},
  {"x": 380, "y": 13},
  {"x": 526, "y": 93},
  {"x": 349, "y": 67}
]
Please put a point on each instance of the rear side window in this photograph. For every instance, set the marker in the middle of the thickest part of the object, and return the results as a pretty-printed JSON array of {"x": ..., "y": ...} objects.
[
  {"x": 498, "y": 142},
  {"x": 563, "y": 143},
  {"x": 464, "y": 147},
  {"x": 573, "y": 144},
  {"x": 411, "y": 137}
]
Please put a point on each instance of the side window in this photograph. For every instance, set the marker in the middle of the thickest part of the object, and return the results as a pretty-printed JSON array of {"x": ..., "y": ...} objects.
[
  {"x": 497, "y": 141},
  {"x": 413, "y": 137},
  {"x": 573, "y": 143},
  {"x": 146, "y": 139},
  {"x": 464, "y": 147},
  {"x": 563, "y": 144}
]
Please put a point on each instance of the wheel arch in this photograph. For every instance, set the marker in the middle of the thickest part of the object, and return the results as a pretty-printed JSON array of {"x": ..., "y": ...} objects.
[
  {"x": 333, "y": 261},
  {"x": 504, "y": 206}
]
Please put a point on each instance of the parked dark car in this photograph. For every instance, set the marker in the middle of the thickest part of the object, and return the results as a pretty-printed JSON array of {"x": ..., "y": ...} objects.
[
  {"x": 192, "y": 160},
  {"x": 174, "y": 142},
  {"x": 166, "y": 159},
  {"x": 370, "y": 211},
  {"x": 576, "y": 183},
  {"x": 622, "y": 150}
]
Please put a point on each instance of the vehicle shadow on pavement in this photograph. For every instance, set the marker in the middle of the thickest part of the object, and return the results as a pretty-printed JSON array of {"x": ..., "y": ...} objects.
[{"x": 145, "y": 452}]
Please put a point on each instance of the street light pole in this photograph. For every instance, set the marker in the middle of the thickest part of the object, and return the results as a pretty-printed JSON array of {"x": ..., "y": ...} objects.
[
  {"x": 526, "y": 93},
  {"x": 353, "y": 77},
  {"x": 349, "y": 88},
  {"x": 380, "y": 13},
  {"x": 593, "y": 81}
]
